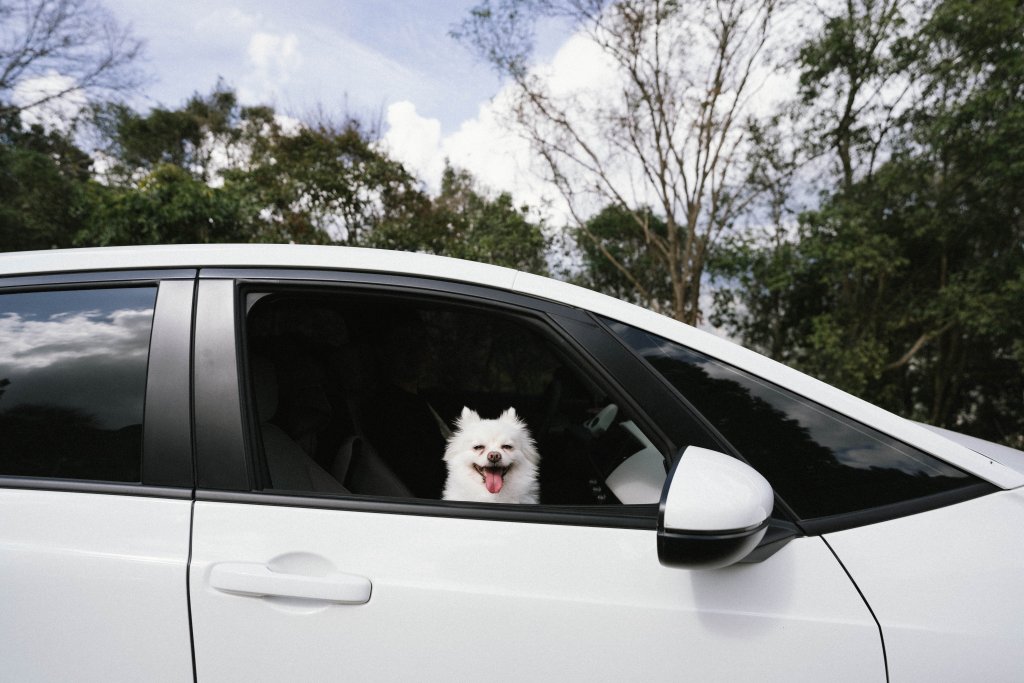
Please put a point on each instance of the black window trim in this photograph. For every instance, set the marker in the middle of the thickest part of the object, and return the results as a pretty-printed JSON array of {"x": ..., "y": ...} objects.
[
  {"x": 98, "y": 278},
  {"x": 612, "y": 516},
  {"x": 235, "y": 479},
  {"x": 168, "y": 480},
  {"x": 96, "y": 487}
]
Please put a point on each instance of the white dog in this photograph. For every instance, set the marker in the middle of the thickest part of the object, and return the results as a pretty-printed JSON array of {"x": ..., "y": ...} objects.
[{"x": 492, "y": 461}]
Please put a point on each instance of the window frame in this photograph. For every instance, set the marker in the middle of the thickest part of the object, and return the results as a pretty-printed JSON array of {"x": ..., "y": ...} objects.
[
  {"x": 166, "y": 452},
  {"x": 226, "y": 437}
]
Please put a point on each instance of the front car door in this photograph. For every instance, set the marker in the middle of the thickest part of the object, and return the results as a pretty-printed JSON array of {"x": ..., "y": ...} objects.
[{"x": 298, "y": 577}]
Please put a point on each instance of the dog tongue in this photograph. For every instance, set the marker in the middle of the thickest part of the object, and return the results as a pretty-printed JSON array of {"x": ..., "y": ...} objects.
[{"x": 493, "y": 479}]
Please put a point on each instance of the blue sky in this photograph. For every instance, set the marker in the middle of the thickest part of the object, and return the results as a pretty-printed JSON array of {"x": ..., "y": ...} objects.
[
  {"x": 350, "y": 55},
  {"x": 390, "y": 63}
]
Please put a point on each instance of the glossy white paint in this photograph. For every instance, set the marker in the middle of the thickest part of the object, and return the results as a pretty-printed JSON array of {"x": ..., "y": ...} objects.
[
  {"x": 92, "y": 587},
  {"x": 462, "y": 599},
  {"x": 947, "y": 588},
  {"x": 1004, "y": 455},
  {"x": 376, "y": 260},
  {"x": 255, "y": 255},
  {"x": 714, "y": 492}
]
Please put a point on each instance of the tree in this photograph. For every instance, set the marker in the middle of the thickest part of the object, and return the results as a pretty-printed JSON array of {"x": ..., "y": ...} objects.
[
  {"x": 76, "y": 45},
  {"x": 208, "y": 134},
  {"x": 328, "y": 183},
  {"x": 613, "y": 231},
  {"x": 905, "y": 284},
  {"x": 167, "y": 206},
  {"x": 264, "y": 178},
  {"x": 43, "y": 181},
  {"x": 854, "y": 82},
  {"x": 667, "y": 135},
  {"x": 462, "y": 221}
]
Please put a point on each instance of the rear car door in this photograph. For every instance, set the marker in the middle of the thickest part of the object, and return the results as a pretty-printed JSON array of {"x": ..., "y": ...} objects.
[
  {"x": 95, "y": 476},
  {"x": 298, "y": 575}
]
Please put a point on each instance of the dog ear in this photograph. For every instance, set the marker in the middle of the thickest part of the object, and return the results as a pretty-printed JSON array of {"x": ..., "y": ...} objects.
[
  {"x": 509, "y": 414},
  {"x": 468, "y": 416}
]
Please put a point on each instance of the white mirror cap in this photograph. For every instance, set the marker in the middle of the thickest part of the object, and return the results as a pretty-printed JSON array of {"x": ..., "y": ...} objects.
[{"x": 713, "y": 492}]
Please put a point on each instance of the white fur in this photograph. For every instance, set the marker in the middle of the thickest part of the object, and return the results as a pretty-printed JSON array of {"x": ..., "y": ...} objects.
[{"x": 470, "y": 444}]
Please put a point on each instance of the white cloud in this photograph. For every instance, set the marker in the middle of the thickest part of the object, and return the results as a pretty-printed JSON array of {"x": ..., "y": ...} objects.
[
  {"x": 226, "y": 20},
  {"x": 272, "y": 60},
  {"x": 27, "y": 343},
  {"x": 487, "y": 145},
  {"x": 415, "y": 141},
  {"x": 56, "y": 114}
]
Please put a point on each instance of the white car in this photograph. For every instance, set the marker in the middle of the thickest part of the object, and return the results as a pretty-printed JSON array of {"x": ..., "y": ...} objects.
[{"x": 224, "y": 463}]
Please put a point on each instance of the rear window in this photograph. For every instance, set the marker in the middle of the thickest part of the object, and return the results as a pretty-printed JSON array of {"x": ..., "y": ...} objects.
[
  {"x": 73, "y": 382},
  {"x": 818, "y": 461}
]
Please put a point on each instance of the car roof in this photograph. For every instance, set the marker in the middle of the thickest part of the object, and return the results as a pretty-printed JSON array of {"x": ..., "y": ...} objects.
[
  {"x": 442, "y": 267},
  {"x": 252, "y": 255}
]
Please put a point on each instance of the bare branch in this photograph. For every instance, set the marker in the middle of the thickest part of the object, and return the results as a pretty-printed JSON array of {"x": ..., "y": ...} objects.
[{"x": 70, "y": 45}]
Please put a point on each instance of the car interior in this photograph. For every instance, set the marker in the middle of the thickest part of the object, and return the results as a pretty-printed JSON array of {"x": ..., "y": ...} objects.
[{"x": 357, "y": 393}]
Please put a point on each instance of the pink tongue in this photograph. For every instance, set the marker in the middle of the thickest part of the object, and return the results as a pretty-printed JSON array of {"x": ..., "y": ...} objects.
[{"x": 493, "y": 480}]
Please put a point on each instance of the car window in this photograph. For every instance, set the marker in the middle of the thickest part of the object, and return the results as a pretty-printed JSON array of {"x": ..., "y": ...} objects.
[
  {"x": 820, "y": 462},
  {"x": 73, "y": 381},
  {"x": 361, "y": 393}
]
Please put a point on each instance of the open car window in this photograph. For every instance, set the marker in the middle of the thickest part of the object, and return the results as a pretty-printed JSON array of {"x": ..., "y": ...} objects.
[{"x": 360, "y": 393}]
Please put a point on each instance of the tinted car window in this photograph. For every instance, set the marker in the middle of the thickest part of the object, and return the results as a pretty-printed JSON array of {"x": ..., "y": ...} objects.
[
  {"x": 818, "y": 461},
  {"x": 73, "y": 382}
]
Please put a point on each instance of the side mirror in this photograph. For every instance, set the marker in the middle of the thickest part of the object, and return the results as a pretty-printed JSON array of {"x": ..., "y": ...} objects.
[{"x": 714, "y": 511}]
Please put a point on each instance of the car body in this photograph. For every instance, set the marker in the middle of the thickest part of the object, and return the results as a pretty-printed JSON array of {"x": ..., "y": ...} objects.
[{"x": 222, "y": 463}]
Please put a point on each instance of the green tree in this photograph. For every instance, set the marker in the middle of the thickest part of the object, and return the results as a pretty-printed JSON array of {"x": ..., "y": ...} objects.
[
  {"x": 261, "y": 177},
  {"x": 208, "y": 134},
  {"x": 464, "y": 222},
  {"x": 167, "y": 206},
  {"x": 613, "y": 232},
  {"x": 43, "y": 186},
  {"x": 328, "y": 183},
  {"x": 904, "y": 286}
]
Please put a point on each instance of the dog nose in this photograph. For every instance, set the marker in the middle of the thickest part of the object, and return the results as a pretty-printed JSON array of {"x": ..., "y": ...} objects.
[{"x": 494, "y": 456}]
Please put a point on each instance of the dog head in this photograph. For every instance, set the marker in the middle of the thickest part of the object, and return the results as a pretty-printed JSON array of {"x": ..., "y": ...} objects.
[{"x": 492, "y": 452}]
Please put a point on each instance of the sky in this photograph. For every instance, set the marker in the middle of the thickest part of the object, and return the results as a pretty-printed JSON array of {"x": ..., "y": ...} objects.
[{"x": 388, "y": 62}]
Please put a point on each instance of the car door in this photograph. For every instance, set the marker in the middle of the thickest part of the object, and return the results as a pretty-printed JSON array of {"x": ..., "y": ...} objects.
[
  {"x": 322, "y": 584},
  {"x": 95, "y": 476}
]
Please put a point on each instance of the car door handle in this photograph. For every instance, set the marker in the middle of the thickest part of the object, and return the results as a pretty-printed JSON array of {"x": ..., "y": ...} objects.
[{"x": 258, "y": 580}]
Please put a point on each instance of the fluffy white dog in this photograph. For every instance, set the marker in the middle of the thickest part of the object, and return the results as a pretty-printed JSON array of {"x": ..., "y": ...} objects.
[{"x": 492, "y": 461}]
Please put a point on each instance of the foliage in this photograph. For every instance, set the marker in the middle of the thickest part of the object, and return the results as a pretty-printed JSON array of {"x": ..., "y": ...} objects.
[
  {"x": 168, "y": 206},
  {"x": 42, "y": 180},
  {"x": 904, "y": 285},
  {"x": 265, "y": 178},
  {"x": 463, "y": 222},
  {"x": 328, "y": 183},
  {"x": 616, "y": 232}
]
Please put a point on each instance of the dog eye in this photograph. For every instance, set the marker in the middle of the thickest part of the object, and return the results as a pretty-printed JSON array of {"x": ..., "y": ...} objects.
[
  {"x": 506, "y": 446},
  {"x": 478, "y": 447}
]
